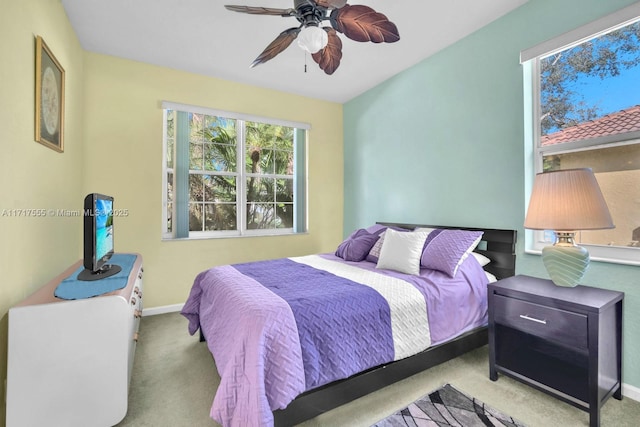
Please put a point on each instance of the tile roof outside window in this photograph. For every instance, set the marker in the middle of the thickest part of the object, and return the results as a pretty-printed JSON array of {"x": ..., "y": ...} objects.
[{"x": 623, "y": 121}]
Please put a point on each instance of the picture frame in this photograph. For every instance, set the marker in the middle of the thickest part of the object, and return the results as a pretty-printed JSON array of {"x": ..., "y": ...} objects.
[{"x": 49, "y": 114}]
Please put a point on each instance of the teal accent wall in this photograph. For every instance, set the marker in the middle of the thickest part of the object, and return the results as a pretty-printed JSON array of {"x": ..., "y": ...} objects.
[{"x": 443, "y": 143}]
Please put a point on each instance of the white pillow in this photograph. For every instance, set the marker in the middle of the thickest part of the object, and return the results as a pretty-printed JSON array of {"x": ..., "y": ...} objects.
[
  {"x": 402, "y": 251},
  {"x": 425, "y": 229},
  {"x": 482, "y": 260}
]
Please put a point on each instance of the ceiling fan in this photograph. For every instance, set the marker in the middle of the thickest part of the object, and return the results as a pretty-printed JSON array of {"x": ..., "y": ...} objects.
[{"x": 357, "y": 22}]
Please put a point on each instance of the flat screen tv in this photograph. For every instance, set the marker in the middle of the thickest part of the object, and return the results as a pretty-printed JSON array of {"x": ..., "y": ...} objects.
[{"x": 98, "y": 238}]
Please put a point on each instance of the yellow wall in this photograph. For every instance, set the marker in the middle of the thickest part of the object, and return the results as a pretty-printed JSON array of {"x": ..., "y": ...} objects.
[
  {"x": 123, "y": 158},
  {"x": 32, "y": 250},
  {"x": 113, "y": 144}
]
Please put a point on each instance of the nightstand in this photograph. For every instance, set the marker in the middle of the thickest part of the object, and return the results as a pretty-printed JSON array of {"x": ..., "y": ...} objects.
[{"x": 566, "y": 342}]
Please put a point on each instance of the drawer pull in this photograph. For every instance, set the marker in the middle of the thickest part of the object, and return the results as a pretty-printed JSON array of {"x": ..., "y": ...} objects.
[{"x": 533, "y": 319}]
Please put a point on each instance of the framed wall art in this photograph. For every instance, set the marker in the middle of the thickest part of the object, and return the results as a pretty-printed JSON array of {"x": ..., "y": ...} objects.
[{"x": 49, "y": 98}]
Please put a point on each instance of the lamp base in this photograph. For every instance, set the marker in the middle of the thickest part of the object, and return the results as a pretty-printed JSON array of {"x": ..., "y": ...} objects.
[{"x": 565, "y": 262}]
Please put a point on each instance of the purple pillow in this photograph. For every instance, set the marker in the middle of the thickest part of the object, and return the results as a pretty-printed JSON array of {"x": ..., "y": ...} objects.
[
  {"x": 445, "y": 250},
  {"x": 357, "y": 246}
]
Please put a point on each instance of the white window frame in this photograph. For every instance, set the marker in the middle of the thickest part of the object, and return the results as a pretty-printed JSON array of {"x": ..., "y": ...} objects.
[
  {"x": 535, "y": 240},
  {"x": 241, "y": 176}
]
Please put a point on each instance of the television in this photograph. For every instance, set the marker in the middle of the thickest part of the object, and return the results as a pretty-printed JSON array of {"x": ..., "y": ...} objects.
[{"x": 98, "y": 238}]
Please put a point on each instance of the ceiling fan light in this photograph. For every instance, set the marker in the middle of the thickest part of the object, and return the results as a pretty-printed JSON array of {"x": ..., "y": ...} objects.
[{"x": 312, "y": 39}]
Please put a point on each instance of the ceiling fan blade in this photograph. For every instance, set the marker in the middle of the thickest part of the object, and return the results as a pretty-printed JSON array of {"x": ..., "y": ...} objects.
[
  {"x": 363, "y": 24},
  {"x": 331, "y": 4},
  {"x": 256, "y": 10},
  {"x": 328, "y": 59},
  {"x": 278, "y": 45}
]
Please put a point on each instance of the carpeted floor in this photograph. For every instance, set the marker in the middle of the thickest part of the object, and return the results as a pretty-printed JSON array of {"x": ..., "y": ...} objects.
[{"x": 174, "y": 381}]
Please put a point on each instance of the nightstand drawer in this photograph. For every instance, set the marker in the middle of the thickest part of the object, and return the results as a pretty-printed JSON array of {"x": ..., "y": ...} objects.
[{"x": 561, "y": 326}]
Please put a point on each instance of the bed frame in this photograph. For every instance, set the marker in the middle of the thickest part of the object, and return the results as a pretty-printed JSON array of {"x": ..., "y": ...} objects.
[{"x": 497, "y": 245}]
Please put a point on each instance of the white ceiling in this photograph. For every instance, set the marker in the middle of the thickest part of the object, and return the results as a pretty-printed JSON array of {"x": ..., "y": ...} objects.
[{"x": 201, "y": 36}]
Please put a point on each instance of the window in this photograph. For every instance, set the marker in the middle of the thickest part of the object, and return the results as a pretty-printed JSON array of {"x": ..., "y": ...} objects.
[
  {"x": 228, "y": 174},
  {"x": 586, "y": 113}
]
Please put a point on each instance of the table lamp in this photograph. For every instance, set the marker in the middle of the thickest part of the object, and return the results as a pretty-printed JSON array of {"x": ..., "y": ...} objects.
[{"x": 566, "y": 201}]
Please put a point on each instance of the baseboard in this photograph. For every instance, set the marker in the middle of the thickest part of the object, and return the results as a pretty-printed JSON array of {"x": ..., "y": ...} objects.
[
  {"x": 631, "y": 392},
  {"x": 162, "y": 310}
]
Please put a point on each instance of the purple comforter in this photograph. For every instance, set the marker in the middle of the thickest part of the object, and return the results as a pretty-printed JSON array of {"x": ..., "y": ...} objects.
[{"x": 278, "y": 328}]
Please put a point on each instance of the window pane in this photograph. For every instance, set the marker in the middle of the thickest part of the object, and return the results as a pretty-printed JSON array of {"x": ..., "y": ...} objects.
[
  {"x": 284, "y": 162},
  {"x": 220, "y": 131},
  {"x": 260, "y": 216},
  {"x": 284, "y": 190},
  {"x": 171, "y": 119},
  {"x": 260, "y": 135},
  {"x": 588, "y": 81},
  {"x": 617, "y": 170},
  {"x": 195, "y": 156},
  {"x": 169, "y": 201},
  {"x": 170, "y": 137},
  {"x": 170, "y": 149},
  {"x": 260, "y": 160},
  {"x": 195, "y": 216},
  {"x": 267, "y": 148},
  {"x": 284, "y": 203},
  {"x": 209, "y": 122},
  {"x": 220, "y": 152},
  {"x": 219, "y": 157},
  {"x": 219, "y": 188},
  {"x": 220, "y": 217},
  {"x": 260, "y": 189},
  {"x": 169, "y": 186},
  {"x": 196, "y": 188},
  {"x": 195, "y": 126},
  {"x": 284, "y": 213}
]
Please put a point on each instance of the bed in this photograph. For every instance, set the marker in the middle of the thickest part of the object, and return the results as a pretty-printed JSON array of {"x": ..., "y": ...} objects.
[{"x": 296, "y": 337}]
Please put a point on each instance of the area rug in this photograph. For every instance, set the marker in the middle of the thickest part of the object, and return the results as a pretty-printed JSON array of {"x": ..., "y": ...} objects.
[{"x": 448, "y": 406}]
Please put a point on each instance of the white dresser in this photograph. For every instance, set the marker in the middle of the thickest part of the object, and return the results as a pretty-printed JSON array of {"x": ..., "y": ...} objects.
[{"x": 70, "y": 361}]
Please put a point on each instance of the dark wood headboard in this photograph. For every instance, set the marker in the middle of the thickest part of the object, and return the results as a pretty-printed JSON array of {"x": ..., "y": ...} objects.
[{"x": 498, "y": 245}]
